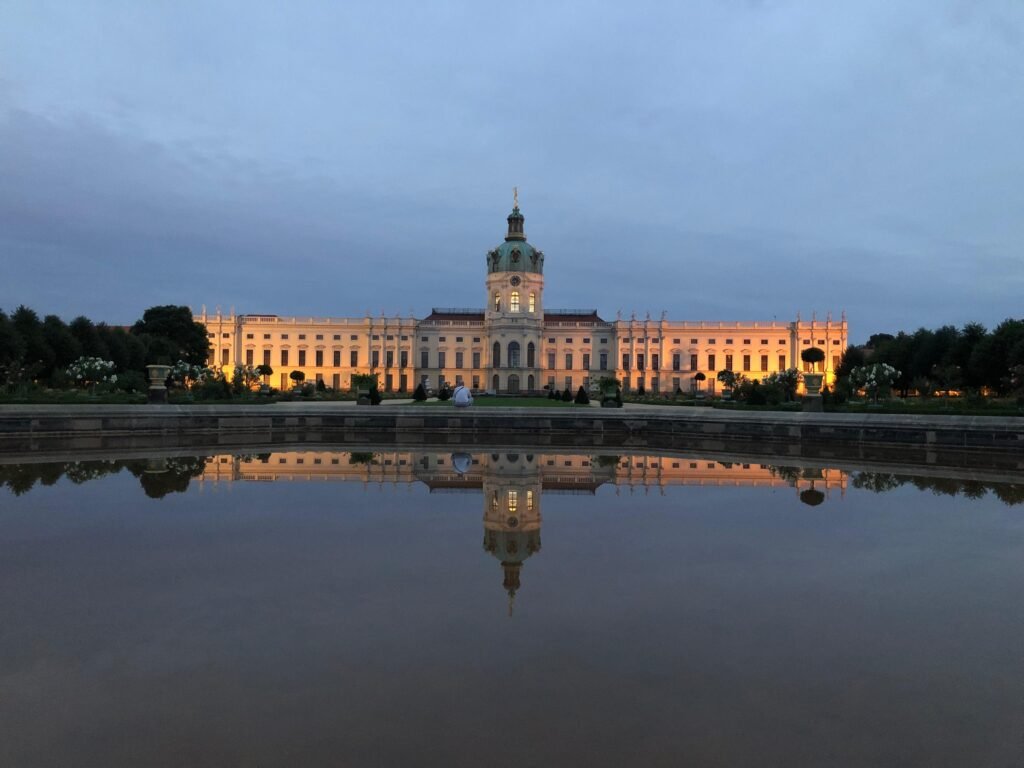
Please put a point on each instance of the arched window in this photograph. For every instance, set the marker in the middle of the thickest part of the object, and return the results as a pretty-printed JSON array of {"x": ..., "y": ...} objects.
[
  {"x": 496, "y": 356},
  {"x": 497, "y": 302},
  {"x": 513, "y": 354},
  {"x": 530, "y": 356},
  {"x": 513, "y": 384},
  {"x": 513, "y": 303},
  {"x": 533, "y": 301},
  {"x": 530, "y": 384},
  {"x": 494, "y": 383}
]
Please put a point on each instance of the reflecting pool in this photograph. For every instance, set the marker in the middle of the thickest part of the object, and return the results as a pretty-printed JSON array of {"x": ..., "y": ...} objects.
[{"x": 468, "y": 608}]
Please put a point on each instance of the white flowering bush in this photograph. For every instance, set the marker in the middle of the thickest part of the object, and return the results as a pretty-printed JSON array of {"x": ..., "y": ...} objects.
[
  {"x": 90, "y": 371},
  {"x": 245, "y": 378},
  {"x": 875, "y": 379},
  {"x": 786, "y": 381},
  {"x": 187, "y": 376}
]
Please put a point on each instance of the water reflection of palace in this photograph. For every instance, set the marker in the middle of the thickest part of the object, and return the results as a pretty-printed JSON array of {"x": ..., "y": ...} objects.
[{"x": 512, "y": 484}]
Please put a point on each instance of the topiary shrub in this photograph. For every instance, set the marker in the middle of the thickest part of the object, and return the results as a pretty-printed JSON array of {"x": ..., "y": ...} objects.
[
  {"x": 566, "y": 396},
  {"x": 640, "y": 391},
  {"x": 444, "y": 393},
  {"x": 420, "y": 394},
  {"x": 582, "y": 398}
]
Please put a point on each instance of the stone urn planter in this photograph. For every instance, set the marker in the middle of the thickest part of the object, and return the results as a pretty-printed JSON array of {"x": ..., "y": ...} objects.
[
  {"x": 812, "y": 383},
  {"x": 157, "y": 388},
  {"x": 610, "y": 395}
]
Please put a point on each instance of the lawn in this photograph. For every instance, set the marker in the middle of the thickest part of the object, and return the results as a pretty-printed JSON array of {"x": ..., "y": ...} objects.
[{"x": 505, "y": 402}]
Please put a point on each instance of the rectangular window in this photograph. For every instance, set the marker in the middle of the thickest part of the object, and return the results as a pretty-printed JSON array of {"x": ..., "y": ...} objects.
[
  {"x": 319, "y": 358},
  {"x": 266, "y": 336},
  {"x": 266, "y": 357},
  {"x": 353, "y": 358},
  {"x": 764, "y": 342},
  {"x": 640, "y": 362},
  {"x": 746, "y": 362},
  {"x": 389, "y": 358},
  {"x": 586, "y": 361},
  {"x": 337, "y": 358},
  {"x": 693, "y": 362},
  {"x": 603, "y": 361},
  {"x": 375, "y": 358},
  {"x": 443, "y": 338},
  {"x": 782, "y": 362},
  {"x": 336, "y": 381},
  {"x": 248, "y": 357},
  {"x": 424, "y": 359},
  {"x": 676, "y": 361},
  {"x": 302, "y": 336},
  {"x": 764, "y": 362},
  {"x": 551, "y": 382},
  {"x": 746, "y": 341},
  {"x": 728, "y": 362},
  {"x": 319, "y": 337},
  {"x": 284, "y": 357},
  {"x": 337, "y": 337},
  {"x": 224, "y": 353},
  {"x": 835, "y": 362},
  {"x": 551, "y": 361},
  {"x": 353, "y": 337},
  {"x": 403, "y": 358},
  {"x": 604, "y": 341},
  {"x": 476, "y": 359},
  {"x": 728, "y": 341},
  {"x": 476, "y": 381},
  {"x": 440, "y": 360},
  {"x": 458, "y": 359},
  {"x": 655, "y": 362},
  {"x": 711, "y": 363},
  {"x": 586, "y": 341},
  {"x": 711, "y": 341},
  {"x": 625, "y": 361},
  {"x": 284, "y": 337},
  {"x": 250, "y": 336},
  {"x": 551, "y": 341},
  {"x": 568, "y": 361},
  {"x": 568, "y": 341},
  {"x": 302, "y": 357},
  {"x": 476, "y": 339},
  {"x": 568, "y": 383}
]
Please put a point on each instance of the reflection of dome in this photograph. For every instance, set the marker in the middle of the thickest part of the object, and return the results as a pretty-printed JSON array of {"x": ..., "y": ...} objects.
[
  {"x": 461, "y": 462},
  {"x": 511, "y": 548},
  {"x": 515, "y": 254}
]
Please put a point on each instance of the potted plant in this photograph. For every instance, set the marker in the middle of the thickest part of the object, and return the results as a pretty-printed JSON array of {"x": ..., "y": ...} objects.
[
  {"x": 699, "y": 377},
  {"x": 812, "y": 379},
  {"x": 729, "y": 382},
  {"x": 609, "y": 388}
]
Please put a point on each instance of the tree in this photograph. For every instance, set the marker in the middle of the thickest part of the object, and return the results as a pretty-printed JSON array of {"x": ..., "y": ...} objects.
[
  {"x": 65, "y": 346},
  {"x": 566, "y": 396},
  {"x": 852, "y": 358},
  {"x": 420, "y": 394},
  {"x": 173, "y": 335},
  {"x": 38, "y": 358},
  {"x": 265, "y": 370},
  {"x": 297, "y": 376},
  {"x": 83, "y": 329},
  {"x": 11, "y": 348},
  {"x": 582, "y": 398},
  {"x": 813, "y": 355}
]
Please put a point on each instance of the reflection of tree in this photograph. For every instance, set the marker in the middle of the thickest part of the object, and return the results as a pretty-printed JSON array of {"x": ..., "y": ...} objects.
[
  {"x": 812, "y": 497},
  {"x": 876, "y": 482},
  {"x": 789, "y": 474},
  {"x": 174, "y": 478},
  {"x": 881, "y": 482}
]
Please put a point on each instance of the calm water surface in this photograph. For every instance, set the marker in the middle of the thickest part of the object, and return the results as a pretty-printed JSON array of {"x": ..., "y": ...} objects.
[{"x": 329, "y": 609}]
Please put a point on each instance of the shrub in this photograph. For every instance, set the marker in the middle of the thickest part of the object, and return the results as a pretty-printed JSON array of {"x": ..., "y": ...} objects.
[
  {"x": 813, "y": 355},
  {"x": 640, "y": 391},
  {"x": 375, "y": 397},
  {"x": 444, "y": 393},
  {"x": 581, "y": 397},
  {"x": 320, "y": 386},
  {"x": 566, "y": 396},
  {"x": 420, "y": 394},
  {"x": 132, "y": 381},
  {"x": 297, "y": 376}
]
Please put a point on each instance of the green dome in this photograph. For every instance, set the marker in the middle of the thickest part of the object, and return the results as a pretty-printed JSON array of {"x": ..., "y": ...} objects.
[{"x": 515, "y": 254}]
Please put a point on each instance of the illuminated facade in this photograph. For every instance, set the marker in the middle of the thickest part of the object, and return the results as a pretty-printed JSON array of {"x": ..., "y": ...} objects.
[{"x": 515, "y": 344}]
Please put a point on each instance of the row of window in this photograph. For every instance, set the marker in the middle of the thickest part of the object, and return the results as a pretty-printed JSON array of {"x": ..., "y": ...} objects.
[
  {"x": 302, "y": 337},
  {"x": 513, "y": 302},
  {"x": 513, "y": 359}
]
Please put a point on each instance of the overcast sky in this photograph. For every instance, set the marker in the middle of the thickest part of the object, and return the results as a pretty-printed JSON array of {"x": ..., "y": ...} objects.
[{"x": 715, "y": 160}]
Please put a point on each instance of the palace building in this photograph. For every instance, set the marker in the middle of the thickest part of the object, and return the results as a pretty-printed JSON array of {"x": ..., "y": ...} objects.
[{"x": 515, "y": 344}]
